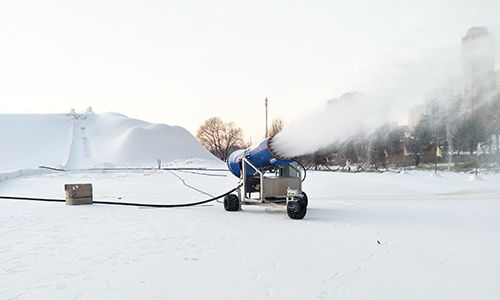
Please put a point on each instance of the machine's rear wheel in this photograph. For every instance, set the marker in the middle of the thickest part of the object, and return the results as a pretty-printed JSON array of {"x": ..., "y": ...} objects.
[
  {"x": 231, "y": 202},
  {"x": 304, "y": 196},
  {"x": 297, "y": 209}
]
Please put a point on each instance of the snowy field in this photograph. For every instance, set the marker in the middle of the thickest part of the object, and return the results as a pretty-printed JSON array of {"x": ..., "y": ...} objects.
[{"x": 365, "y": 236}]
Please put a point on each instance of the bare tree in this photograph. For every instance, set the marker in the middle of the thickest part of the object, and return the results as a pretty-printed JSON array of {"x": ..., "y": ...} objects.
[
  {"x": 220, "y": 138},
  {"x": 276, "y": 126}
]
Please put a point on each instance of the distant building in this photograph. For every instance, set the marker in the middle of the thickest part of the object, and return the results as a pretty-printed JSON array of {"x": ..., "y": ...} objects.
[
  {"x": 349, "y": 96},
  {"x": 498, "y": 79},
  {"x": 478, "y": 58},
  {"x": 415, "y": 116}
]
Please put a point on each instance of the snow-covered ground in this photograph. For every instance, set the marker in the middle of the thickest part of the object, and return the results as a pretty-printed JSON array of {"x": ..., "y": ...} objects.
[{"x": 365, "y": 236}]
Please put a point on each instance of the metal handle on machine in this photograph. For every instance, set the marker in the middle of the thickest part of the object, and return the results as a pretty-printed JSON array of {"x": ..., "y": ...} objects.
[{"x": 245, "y": 161}]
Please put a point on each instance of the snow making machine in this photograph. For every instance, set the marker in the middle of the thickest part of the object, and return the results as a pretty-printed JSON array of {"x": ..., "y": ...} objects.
[{"x": 267, "y": 180}]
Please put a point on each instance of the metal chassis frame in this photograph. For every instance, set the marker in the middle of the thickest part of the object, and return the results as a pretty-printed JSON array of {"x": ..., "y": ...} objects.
[{"x": 261, "y": 201}]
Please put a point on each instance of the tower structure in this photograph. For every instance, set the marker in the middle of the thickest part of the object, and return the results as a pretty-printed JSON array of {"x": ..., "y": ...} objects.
[{"x": 478, "y": 62}]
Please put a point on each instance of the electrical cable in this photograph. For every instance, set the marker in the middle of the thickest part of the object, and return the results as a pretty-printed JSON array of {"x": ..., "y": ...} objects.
[
  {"x": 136, "y": 168},
  {"x": 192, "y": 187},
  {"x": 189, "y": 186},
  {"x": 201, "y": 173}
]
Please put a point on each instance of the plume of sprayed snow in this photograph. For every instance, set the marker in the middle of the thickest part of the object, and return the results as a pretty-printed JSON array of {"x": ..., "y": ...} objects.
[
  {"x": 402, "y": 86},
  {"x": 351, "y": 114},
  {"x": 393, "y": 89}
]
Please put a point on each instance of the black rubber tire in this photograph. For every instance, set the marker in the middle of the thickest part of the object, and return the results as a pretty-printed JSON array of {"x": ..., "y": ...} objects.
[
  {"x": 296, "y": 209},
  {"x": 231, "y": 202},
  {"x": 305, "y": 198}
]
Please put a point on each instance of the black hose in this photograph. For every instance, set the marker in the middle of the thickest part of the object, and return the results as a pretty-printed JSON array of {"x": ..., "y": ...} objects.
[
  {"x": 305, "y": 171},
  {"x": 128, "y": 203},
  {"x": 34, "y": 199}
]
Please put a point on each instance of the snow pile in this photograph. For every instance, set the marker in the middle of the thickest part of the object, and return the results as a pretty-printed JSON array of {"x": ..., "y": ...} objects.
[{"x": 89, "y": 140}]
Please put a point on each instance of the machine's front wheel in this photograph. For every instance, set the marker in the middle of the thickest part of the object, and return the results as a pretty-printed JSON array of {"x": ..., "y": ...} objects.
[
  {"x": 231, "y": 202},
  {"x": 297, "y": 209}
]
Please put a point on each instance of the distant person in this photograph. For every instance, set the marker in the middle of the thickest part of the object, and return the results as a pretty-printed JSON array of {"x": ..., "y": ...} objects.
[
  {"x": 348, "y": 165},
  {"x": 417, "y": 160}
]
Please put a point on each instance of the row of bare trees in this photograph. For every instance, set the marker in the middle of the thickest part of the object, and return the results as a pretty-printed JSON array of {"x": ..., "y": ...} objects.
[{"x": 221, "y": 138}]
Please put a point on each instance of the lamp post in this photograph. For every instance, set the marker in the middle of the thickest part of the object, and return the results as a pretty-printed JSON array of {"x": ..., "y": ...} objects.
[{"x": 266, "y": 101}]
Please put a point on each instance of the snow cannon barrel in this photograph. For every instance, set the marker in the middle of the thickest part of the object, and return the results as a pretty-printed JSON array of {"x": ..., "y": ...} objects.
[{"x": 260, "y": 155}]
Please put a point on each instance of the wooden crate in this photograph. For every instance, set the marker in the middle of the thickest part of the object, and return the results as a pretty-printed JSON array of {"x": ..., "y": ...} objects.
[{"x": 77, "y": 194}]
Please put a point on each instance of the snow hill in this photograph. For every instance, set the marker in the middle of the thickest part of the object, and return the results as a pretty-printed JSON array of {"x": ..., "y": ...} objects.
[{"x": 89, "y": 140}]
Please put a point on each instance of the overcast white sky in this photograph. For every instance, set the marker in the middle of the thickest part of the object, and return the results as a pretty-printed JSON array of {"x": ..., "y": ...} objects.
[{"x": 181, "y": 62}]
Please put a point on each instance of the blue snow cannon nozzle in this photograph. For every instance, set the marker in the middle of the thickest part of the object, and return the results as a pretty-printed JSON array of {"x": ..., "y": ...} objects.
[{"x": 260, "y": 155}]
